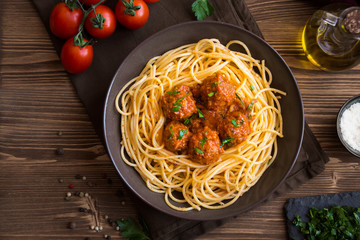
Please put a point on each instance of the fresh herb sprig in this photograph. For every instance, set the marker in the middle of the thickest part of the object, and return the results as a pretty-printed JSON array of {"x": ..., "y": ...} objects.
[
  {"x": 198, "y": 150},
  {"x": 202, "y": 9},
  {"x": 228, "y": 141},
  {"x": 131, "y": 230},
  {"x": 177, "y": 104},
  {"x": 181, "y": 133}
]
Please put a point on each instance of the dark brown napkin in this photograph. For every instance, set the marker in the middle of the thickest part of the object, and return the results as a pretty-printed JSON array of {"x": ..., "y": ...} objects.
[{"x": 92, "y": 87}]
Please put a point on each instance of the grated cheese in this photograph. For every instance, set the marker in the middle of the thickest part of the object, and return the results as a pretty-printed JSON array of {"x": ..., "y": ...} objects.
[{"x": 350, "y": 126}]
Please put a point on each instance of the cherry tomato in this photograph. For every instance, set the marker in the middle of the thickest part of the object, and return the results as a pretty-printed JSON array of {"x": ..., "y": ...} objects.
[
  {"x": 102, "y": 24},
  {"x": 89, "y": 2},
  {"x": 65, "y": 20},
  {"x": 74, "y": 58},
  {"x": 133, "y": 14},
  {"x": 151, "y": 1}
]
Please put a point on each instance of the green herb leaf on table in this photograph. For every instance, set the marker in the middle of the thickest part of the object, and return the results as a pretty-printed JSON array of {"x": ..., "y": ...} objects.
[
  {"x": 131, "y": 230},
  {"x": 202, "y": 9}
]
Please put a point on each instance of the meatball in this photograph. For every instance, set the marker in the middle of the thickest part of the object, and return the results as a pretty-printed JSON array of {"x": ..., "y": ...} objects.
[
  {"x": 208, "y": 118},
  {"x": 239, "y": 104},
  {"x": 212, "y": 118},
  {"x": 204, "y": 146},
  {"x": 176, "y": 136},
  {"x": 195, "y": 125},
  {"x": 217, "y": 92},
  {"x": 179, "y": 103},
  {"x": 234, "y": 128},
  {"x": 203, "y": 118}
]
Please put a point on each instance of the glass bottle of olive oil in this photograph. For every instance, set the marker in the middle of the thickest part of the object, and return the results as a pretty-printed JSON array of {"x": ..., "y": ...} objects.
[{"x": 331, "y": 38}]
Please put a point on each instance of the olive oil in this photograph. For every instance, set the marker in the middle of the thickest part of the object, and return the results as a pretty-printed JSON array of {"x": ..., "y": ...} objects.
[{"x": 327, "y": 41}]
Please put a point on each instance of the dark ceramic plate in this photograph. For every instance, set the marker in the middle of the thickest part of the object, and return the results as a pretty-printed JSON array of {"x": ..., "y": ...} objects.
[{"x": 292, "y": 111}]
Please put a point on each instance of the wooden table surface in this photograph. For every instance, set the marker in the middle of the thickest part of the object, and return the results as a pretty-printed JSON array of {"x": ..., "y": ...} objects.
[{"x": 40, "y": 113}]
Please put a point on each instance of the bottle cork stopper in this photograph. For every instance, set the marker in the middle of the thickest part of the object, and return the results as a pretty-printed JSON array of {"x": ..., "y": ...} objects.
[{"x": 352, "y": 21}]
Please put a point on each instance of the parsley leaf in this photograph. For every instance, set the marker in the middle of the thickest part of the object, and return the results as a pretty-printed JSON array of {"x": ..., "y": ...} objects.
[
  {"x": 235, "y": 123},
  {"x": 173, "y": 93},
  {"x": 252, "y": 88},
  {"x": 181, "y": 133},
  {"x": 202, "y": 9},
  {"x": 226, "y": 141},
  {"x": 188, "y": 120},
  {"x": 131, "y": 230},
  {"x": 241, "y": 101},
  {"x": 201, "y": 115},
  {"x": 251, "y": 104},
  {"x": 203, "y": 141},
  {"x": 198, "y": 150},
  {"x": 171, "y": 132},
  {"x": 214, "y": 84},
  {"x": 175, "y": 109},
  {"x": 178, "y": 104},
  {"x": 211, "y": 94}
]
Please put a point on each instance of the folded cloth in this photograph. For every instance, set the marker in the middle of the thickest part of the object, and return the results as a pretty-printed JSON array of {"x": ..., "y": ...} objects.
[{"x": 93, "y": 84}]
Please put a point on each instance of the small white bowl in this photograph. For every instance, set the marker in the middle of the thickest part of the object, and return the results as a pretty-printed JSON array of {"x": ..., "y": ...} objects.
[{"x": 347, "y": 104}]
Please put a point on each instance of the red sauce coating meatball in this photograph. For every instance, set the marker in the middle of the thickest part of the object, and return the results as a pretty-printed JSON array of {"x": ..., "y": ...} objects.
[
  {"x": 234, "y": 128},
  {"x": 217, "y": 92},
  {"x": 204, "y": 146},
  {"x": 195, "y": 90},
  {"x": 205, "y": 118},
  {"x": 179, "y": 103},
  {"x": 176, "y": 136},
  {"x": 211, "y": 118},
  {"x": 195, "y": 125}
]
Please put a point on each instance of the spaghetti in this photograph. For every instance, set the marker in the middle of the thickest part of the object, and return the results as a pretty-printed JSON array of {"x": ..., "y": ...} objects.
[{"x": 187, "y": 184}]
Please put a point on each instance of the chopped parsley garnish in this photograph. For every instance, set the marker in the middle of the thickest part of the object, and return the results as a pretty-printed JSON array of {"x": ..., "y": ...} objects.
[
  {"x": 201, "y": 115},
  {"x": 334, "y": 223},
  {"x": 188, "y": 120},
  {"x": 203, "y": 141},
  {"x": 211, "y": 94},
  {"x": 241, "y": 101},
  {"x": 235, "y": 123},
  {"x": 178, "y": 104},
  {"x": 181, "y": 133},
  {"x": 176, "y": 109},
  {"x": 214, "y": 84},
  {"x": 171, "y": 132},
  {"x": 251, "y": 104},
  {"x": 173, "y": 93},
  {"x": 252, "y": 88},
  {"x": 198, "y": 150},
  {"x": 226, "y": 141}
]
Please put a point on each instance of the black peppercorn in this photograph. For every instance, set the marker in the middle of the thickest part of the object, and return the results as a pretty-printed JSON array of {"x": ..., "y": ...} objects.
[{"x": 60, "y": 151}]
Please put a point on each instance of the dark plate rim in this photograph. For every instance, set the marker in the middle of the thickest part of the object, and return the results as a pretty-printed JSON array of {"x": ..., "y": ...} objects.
[{"x": 181, "y": 214}]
